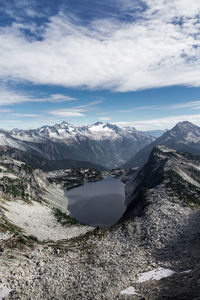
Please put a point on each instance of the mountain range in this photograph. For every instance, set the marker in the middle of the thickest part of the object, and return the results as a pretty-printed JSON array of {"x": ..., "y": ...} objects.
[
  {"x": 101, "y": 144},
  {"x": 98, "y": 146}
]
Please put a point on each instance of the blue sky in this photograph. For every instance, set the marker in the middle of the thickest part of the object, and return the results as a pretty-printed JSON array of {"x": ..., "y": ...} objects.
[{"x": 128, "y": 62}]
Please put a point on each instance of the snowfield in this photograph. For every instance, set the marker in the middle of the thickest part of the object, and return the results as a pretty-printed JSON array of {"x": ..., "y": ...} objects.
[
  {"x": 38, "y": 220},
  {"x": 155, "y": 274}
]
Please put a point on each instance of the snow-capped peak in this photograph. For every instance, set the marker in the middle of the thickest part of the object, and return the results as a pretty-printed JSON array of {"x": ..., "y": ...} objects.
[
  {"x": 101, "y": 130},
  {"x": 185, "y": 132}
]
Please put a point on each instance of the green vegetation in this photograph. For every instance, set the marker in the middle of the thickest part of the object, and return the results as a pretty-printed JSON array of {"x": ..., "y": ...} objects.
[
  {"x": 32, "y": 238},
  {"x": 7, "y": 226},
  {"x": 28, "y": 169},
  {"x": 20, "y": 241},
  {"x": 63, "y": 218},
  {"x": 14, "y": 187}
]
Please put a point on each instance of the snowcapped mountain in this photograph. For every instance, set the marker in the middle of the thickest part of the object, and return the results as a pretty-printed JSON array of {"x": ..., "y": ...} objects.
[
  {"x": 99, "y": 143},
  {"x": 185, "y": 137}
]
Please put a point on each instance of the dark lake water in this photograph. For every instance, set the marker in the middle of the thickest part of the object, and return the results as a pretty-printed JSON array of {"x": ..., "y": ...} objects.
[{"x": 98, "y": 203}]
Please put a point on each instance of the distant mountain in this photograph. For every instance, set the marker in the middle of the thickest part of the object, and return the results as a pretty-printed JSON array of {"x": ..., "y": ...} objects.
[
  {"x": 102, "y": 144},
  {"x": 46, "y": 165},
  {"x": 185, "y": 137},
  {"x": 167, "y": 172},
  {"x": 155, "y": 133}
]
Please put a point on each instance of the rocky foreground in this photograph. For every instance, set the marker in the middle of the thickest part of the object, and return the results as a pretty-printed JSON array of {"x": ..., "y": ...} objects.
[{"x": 159, "y": 232}]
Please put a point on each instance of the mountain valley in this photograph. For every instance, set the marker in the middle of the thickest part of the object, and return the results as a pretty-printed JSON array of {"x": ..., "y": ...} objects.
[{"x": 151, "y": 253}]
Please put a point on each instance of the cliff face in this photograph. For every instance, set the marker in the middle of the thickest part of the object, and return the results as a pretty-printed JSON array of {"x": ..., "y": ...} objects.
[{"x": 177, "y": 172}]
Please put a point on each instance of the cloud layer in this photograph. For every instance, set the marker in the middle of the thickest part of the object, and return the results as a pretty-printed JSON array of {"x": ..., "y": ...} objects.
[
  {"x": 10, "y": 97},
  {"x": 161, "y": 123},
  {"x": 159, "y": 47}
]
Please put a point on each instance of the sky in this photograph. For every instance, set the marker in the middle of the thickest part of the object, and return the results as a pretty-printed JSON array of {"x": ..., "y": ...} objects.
[{"x": 127, "y": 62}]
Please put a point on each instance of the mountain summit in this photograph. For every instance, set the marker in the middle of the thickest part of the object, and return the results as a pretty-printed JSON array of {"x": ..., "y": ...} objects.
[{"x": 184, "y": 136}]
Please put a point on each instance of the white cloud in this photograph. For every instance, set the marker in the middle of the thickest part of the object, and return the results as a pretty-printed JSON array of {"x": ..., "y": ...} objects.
[
  {"x": 65, "y": 113},
  {"x": 18, "y": 9},
  {"x": 161, "y": 123},
  {"x": 189, "y": 105},
  {"x": 5, "y": 110},
  {"x": 9, "y": 97},
  {"x": 56, "y": 98},
  {"x": 152, "y": 51},
  {"x": 24, "y": 115},
  {"x": 76, "y": 111},
  {"x": 104, "y": 119}
]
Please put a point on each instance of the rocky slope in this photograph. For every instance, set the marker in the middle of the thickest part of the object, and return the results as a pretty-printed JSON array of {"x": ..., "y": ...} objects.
[
  {"x": 185, "y": 137},
  {"x": 31, "y": 205},
  {"x": 153, "y": 253},
  {"x": 178, "y": 171},
  {"x": 44, "y": 164},
  {"x": 103, "y": 144}
]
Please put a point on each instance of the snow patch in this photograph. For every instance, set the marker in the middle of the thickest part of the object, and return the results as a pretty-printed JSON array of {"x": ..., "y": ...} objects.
[
  {"x": 4, "y": 293},
  {"x": 156, "y": 274},
  {"x": 100, "y": 131},
  {"x": 187, "y": 271},
  {"x": 129, "y": 291}
]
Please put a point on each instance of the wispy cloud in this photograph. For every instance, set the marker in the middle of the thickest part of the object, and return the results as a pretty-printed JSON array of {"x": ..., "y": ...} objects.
[
  {"x": 9, "y": 97},
  {"x": 24, "y": 115},
  {"x": 158, "y": 48},
  {"x": 104, "y": 119},
  {"x": 161, "y": 123},
  {"x": 5, "y": 110},
  {"x": 67, "y": 113},
  {"x": 103, "y": 113},
  {"x": 189, "y": 105},
  {"x": 19, "y": 9},
  {"x": 56, "y": 98},
  {"x": 76, "y": 111}
]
